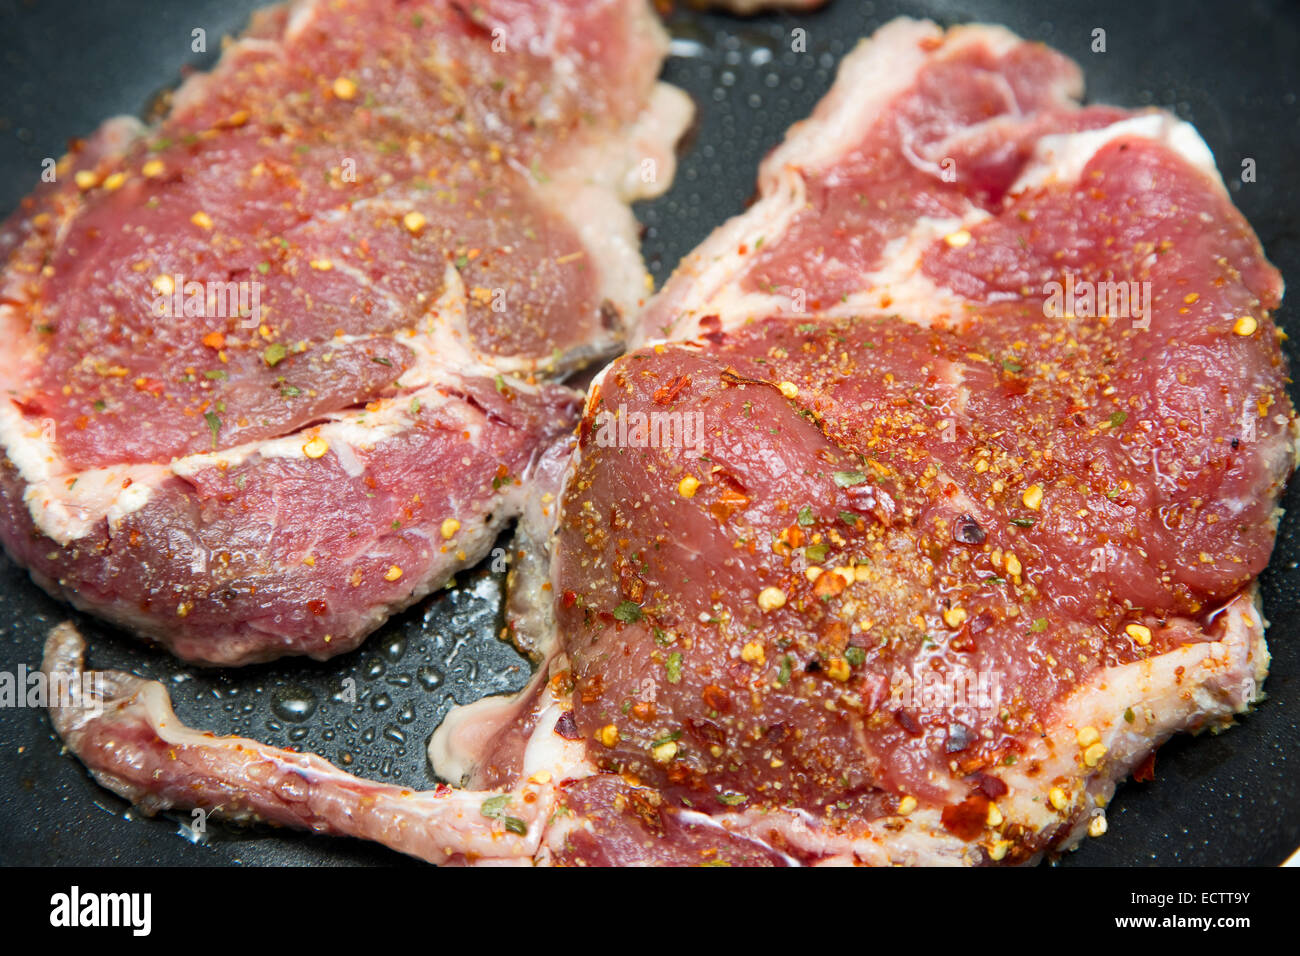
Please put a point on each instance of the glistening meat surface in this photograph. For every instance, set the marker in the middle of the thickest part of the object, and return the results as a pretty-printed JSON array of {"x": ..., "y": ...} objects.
[
  {"x": 932, "y": 515},
  {"x": 280, "y": 364},
  {"x": 944, "y": 562}
]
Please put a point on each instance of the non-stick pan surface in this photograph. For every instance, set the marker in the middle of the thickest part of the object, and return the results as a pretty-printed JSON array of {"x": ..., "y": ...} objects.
[{"x": 65, "y": 65}]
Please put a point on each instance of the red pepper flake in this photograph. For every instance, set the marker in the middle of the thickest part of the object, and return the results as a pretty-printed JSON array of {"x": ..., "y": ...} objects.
[
  {"x": 1146, "y": 770},
  {"x": 567, "y": 727},
  {"x": 731, "y": 499},
  {"x": 668, "y": 393},
  {"x": 992, "y": 787},
  {"x": 644, "y": 710},
  {"x": 31, "y": 407},
  {"x": 715, "y": 698},
  {"x": 966, "y": 820}
]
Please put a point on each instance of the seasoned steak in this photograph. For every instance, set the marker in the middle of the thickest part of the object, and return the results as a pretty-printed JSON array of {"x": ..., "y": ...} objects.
[
  {"x": 957, "y": 545},
  {"x": 281, "y": 363}
]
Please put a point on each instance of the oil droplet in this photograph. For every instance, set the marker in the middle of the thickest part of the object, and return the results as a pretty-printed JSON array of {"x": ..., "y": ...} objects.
[{"x": 293, "y": 703}]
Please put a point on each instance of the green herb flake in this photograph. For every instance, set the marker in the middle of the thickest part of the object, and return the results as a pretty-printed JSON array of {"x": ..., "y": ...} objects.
[
  {"x": 856, "y": 656},
  {"x": 1039, "y": 625},
  {"x": 805, "y": 516},
  {"x": 816, "y": 553},
  {"x": 214, "y": 426},
  {"x": 673, "y": 668},
  {"x": 847, "y": 479},
  {"x": 494, "y": 807},
  {"x": 628, "y": 612},
  {"x": 1118, "y": 418},
  {"x": 274, "y": 354},
  {"x": 787, "y": 665},
  {"x": 732, "y": 799}
]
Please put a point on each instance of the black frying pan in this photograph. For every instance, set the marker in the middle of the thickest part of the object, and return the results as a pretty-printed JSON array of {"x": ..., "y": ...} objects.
[{"x": 65, "y": 65}]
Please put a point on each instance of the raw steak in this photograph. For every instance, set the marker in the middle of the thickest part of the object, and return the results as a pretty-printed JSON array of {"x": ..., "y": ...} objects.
[
  {"x": 281, "y": 364},
  {"x": 947, "y": 559}
]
